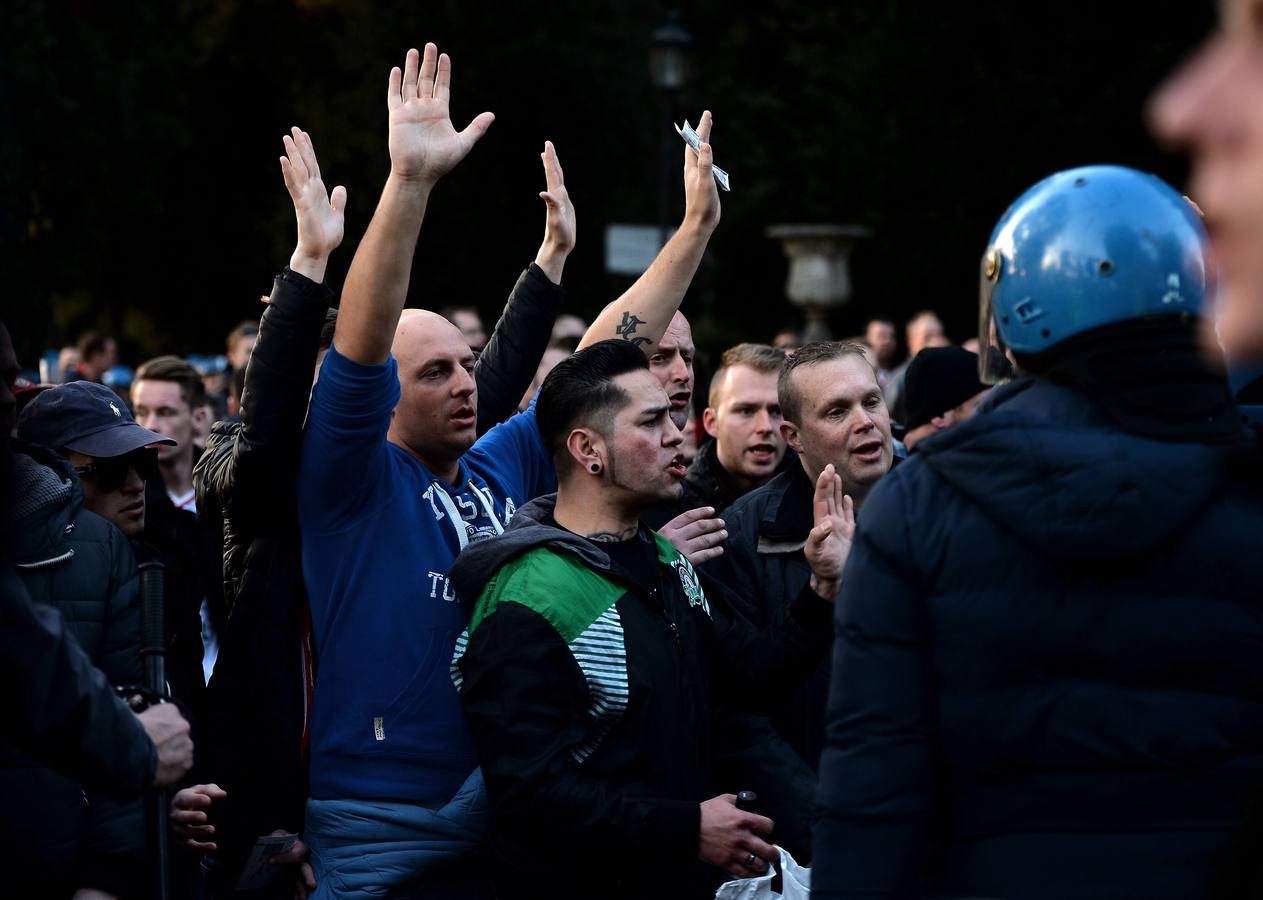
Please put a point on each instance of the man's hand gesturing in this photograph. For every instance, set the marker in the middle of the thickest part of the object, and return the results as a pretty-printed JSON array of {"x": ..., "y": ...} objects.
[
  {"x": 560, "y": 230},
  {"x": 319, "y": 213},
  {"x": 424, "y": 146},
  {"x": 701, "y": 193},
  {"x": 829, "y": 543}
]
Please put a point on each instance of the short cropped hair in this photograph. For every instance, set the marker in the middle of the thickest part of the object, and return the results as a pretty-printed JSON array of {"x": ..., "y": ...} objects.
[
  {"x": 245, "y": 328},
  {"x": 177, "y": 371},
  {"x": 923, "y": 314},
  {"x": 580, "y": 390},
  {"x": 760, "y": 357},
  {"x": 809, "y": 355},
  {"x": 92, "y": 343}
]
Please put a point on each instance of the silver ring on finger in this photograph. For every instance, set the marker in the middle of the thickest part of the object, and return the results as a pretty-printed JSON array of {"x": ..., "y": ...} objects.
[{"x": 751, "y": 859}]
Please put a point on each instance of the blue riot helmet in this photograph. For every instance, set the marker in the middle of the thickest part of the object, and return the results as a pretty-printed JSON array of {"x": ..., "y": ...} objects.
[{"x": 1085, "y": 248}]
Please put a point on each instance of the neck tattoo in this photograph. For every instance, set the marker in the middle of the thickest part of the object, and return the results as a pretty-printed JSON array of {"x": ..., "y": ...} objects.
[{"x": 612, "y": 537}]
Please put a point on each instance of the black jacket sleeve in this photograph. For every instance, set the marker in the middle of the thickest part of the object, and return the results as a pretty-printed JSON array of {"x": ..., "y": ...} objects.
[
  {"x": 507, "y": 365},
  {"x": 756, "y": 665},
  {"x": 62, "y": 711},
  {"x": 877, "y": 768},
  {"x": 526, "y": 701},
  {"x": 253, "y": 472}
]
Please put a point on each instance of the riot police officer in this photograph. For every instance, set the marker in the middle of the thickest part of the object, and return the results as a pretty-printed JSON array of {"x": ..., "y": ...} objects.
[{"x": 1047, "y": 662}]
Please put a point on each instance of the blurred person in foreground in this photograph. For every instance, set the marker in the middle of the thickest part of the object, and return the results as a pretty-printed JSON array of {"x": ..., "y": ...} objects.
[
  {"x": 1211, "y": 106},
  {"x": 595, "y": 653},
  {"x": 1051, "y": 675}
]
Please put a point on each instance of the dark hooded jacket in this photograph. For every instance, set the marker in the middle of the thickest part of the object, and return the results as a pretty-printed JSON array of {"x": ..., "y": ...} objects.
[
  {"x": 589, "y": 691},
  {"x": 77, "y": 562},
  {"x": 764, "y": 568},
  {"x": 1046, "y": 661}
]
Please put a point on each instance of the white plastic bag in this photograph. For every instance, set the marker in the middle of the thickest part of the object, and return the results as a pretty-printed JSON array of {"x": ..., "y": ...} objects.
[{"x": 795, "y": 883}]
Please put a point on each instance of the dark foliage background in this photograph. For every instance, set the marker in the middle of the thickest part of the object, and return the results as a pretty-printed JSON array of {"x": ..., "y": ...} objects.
[{"x": 141, "y": 191}]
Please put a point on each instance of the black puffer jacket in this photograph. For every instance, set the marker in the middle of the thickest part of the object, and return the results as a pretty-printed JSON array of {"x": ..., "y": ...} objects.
[
  {"x": 256, "y": 699},
  {"x": 1048, "y": 640},
  {"x": 76, "y": 561},
  {"x": 764, "y": 568},
  {"x": 259, "y": 696}
]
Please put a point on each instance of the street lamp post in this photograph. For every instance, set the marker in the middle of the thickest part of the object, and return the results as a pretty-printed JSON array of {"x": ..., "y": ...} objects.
[{"x": 668, "y": 71}]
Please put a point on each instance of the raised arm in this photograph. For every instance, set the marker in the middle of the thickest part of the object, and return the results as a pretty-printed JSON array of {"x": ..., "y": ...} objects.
[
  {"x": 642, "y": 313},
  {"x": 242, "y": 467},
  {"x": 424, "y": 146},
  {"x": 319, "y": 212},
  {"x": 507, "y": 365},
  {"x": 560, "y": 228}
]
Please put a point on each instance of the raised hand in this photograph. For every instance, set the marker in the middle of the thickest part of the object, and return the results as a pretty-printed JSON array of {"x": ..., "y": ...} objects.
[
  {"x": 829, "y": 543},
  {"x": 319, "y": 213},
  {"x": 701, "y": 193},
  {"x": 560, "y": 229},
  {"x": 424, "y": 145}
]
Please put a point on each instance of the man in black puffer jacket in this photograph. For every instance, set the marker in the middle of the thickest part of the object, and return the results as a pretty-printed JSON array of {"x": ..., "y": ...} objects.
[
  {"x": 75, "y": 560},
  {"x": 833, "y": 414},
  {"x": 1047, "y": 660},
  {"x": 258, "y": 701}
]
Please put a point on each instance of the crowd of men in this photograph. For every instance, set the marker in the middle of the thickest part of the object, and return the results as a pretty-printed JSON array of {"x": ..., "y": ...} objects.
[{"x": 450, "y": 613}]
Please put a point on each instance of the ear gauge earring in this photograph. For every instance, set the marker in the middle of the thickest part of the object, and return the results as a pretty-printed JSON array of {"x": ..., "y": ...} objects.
[{"x": 596, "y": 468}]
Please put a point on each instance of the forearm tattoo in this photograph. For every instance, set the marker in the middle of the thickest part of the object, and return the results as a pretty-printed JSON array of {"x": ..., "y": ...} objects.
[{"x": 627, "y": 330}]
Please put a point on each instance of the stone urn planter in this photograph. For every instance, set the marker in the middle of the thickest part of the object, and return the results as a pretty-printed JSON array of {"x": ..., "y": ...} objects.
[{"x": 819, "y": 271}]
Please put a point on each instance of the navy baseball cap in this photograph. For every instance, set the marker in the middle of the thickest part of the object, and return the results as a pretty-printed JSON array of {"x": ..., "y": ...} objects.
[{"x": 86, "y": 417}]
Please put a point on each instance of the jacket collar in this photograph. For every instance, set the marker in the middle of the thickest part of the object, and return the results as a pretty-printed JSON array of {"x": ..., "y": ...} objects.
[
  {"x": 711, "y": 479},
  {"x": 51, "y": 496},
  {"x": 788, "y": 517}
]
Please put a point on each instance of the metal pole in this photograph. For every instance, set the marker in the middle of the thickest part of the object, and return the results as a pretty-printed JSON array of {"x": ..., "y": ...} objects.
[{"x": 153, "y": 654}]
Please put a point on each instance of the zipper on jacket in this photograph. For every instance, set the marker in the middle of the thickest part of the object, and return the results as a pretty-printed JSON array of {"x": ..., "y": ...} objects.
[{"x": 671, "y": 626}]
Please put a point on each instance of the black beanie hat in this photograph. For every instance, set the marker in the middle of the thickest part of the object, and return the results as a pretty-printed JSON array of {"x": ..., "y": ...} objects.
[{"x": 939, "y": 379}]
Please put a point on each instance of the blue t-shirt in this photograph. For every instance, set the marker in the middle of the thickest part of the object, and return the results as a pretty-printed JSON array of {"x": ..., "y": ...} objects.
[{"x": 379, "y": 534}]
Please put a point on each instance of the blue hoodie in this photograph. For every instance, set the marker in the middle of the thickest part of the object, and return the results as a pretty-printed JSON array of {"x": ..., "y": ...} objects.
[{"x": 379, "y": 534}]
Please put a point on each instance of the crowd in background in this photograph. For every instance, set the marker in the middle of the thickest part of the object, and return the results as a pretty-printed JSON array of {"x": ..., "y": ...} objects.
[{"x": 561, "y": 608}]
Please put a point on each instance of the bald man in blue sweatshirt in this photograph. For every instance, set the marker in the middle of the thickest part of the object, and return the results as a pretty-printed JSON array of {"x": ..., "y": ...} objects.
[{"x": 392, "y": 485}]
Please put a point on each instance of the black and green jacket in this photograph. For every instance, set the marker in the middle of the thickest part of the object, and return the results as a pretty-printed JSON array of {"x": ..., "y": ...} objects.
[{"x": 589, "y": 695}]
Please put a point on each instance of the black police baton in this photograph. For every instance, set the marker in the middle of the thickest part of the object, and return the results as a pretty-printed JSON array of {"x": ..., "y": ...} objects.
[{"x": 153, "y": 654}]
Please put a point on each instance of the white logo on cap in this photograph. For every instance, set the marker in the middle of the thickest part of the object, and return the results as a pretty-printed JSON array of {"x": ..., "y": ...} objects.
[{"x": 115, "y": 408}]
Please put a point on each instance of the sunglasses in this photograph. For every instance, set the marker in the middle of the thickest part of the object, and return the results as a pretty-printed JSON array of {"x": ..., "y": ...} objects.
[{"x": 110, "y": 472}]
